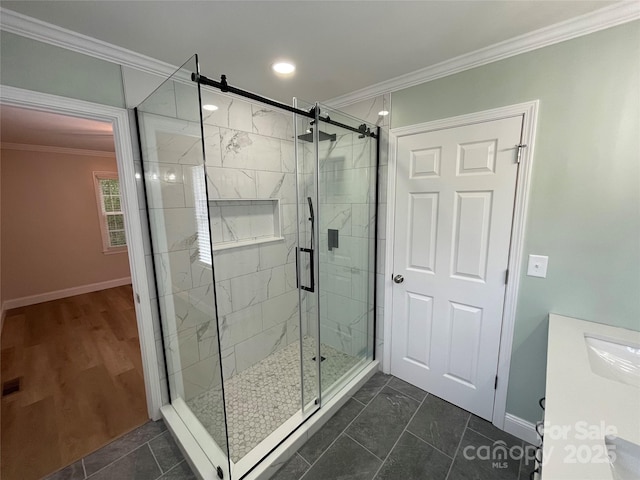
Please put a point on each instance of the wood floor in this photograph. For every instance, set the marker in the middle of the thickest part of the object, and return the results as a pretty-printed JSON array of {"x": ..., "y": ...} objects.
[{"x": 78, "y": 360}]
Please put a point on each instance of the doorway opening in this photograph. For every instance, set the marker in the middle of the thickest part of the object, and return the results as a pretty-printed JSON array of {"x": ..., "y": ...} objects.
[{"x": 70, "y": 343}]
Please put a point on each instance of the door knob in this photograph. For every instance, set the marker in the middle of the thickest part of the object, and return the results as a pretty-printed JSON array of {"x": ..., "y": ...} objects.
[{"x": 398, "y": 279}]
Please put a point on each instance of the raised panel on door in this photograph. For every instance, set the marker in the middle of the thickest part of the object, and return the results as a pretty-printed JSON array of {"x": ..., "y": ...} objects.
[
  {"x": 477, "y": 158},
  {"x": 423, "y": 229},
  {"x": 425, "y": 163},
  {"x": 417, "y": 338},
  {"x": 470, "y": 249},
  {"x": 463, "y": 347}
]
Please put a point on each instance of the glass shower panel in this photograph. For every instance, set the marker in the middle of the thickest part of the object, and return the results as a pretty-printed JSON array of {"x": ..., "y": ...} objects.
[
  {"x": 306, "y": 176},
  {"x": 172, "y": 147},
  {"x": 347, "y": 221}
]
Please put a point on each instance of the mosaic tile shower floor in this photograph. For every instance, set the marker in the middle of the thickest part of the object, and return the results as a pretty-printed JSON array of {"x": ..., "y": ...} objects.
[{"x": 264, "y": 396}]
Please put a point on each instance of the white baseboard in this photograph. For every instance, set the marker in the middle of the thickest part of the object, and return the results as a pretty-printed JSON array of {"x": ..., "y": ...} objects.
[
  {"x": 520, "y": 428},
  {"x": 58, "y": 294}
]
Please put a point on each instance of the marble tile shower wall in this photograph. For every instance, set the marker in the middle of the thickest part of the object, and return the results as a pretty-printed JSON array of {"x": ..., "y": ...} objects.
[
  {"x": 250, "y": 155},
  {"x": 368, "y": 110}
]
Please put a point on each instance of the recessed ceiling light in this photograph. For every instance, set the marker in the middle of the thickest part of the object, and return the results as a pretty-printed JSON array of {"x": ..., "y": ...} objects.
[
  {"x": 284, "y": 68},
  {"x": 383, "y": 113},
  {"x": 211, "y": 108}
]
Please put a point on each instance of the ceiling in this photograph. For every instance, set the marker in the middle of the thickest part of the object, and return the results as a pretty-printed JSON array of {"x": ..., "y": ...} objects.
[
  {"x": 32, "y": 127},
  {"x": 338, "y": 46}
]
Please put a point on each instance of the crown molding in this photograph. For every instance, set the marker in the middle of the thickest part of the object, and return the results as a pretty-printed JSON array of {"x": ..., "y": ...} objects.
[
  {"x": 35, "y": 29},
  {"x": 603, "y": 18},
  {"x": 51, "y": 149},
  {"x": 616, "y": 14}
]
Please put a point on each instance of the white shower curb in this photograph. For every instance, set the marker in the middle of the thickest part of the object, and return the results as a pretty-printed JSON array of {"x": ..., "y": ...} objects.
[{"x": 205, "y": 470}]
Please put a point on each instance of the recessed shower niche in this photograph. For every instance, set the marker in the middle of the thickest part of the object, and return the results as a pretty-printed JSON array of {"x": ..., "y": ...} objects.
[
  {"x": 236, "y": 223},
  {"x": 265, "y": 329}
]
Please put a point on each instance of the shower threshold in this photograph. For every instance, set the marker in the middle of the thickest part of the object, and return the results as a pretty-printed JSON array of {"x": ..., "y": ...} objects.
[
  {"x": 263, "y": 460},
  {"x": 263, "y": 397}
]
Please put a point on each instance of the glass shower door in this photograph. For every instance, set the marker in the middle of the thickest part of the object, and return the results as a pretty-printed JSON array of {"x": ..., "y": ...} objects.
[{"x": 172, "y": 147}]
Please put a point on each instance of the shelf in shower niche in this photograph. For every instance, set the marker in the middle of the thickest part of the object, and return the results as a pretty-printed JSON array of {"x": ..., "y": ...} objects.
[
  {"x": 245, "y": 243},
  {"x": 242, "y": 222}
]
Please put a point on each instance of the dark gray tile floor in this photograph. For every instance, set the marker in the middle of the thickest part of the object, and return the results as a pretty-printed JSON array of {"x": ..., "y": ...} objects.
[
  {"x": 147, "y": 453},
  {"x": 390, "y": 430}
]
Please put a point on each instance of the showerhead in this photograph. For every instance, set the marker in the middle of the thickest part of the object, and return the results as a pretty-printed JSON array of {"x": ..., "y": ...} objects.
[{"x": 322, "y": 136}]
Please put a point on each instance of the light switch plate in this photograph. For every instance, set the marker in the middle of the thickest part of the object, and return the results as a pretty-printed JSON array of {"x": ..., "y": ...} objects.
[{"x": 537, "y": 266}]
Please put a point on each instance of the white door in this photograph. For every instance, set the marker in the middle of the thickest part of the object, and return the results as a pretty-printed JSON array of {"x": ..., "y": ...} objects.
[{"x": 455, "y": 194}]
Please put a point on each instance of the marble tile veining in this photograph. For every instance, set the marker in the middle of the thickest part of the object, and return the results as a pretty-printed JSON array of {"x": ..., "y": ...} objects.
[
  {"x": 271, "y": 123},
  {"x": 231, "y": 113},
  {"x": 179, "y": 148},
  {"x": 249, "y": 151},
  {"x": 175, "y": 228},
  {"x": 231, "y": 183},
  {"x": 277, "y": 185},
  {"x": 173, "y": 274}
]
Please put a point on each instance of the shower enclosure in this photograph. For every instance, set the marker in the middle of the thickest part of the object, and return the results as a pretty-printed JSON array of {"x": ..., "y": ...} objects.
[{"x": 262, "y": 219}]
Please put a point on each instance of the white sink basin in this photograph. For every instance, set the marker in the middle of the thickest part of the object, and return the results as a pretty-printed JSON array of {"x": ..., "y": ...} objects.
[
  {"x": 614, "y": 360},
  {"x": 624, "y": 458}
]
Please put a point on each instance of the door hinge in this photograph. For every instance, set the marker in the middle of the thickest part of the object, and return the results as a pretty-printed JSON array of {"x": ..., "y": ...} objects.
[
  {"x": 520, "y": 146},
  {"x": 137, "y": 298},
  {"x": 495, "y": 384},
  {"x": 506, "y": 276}
]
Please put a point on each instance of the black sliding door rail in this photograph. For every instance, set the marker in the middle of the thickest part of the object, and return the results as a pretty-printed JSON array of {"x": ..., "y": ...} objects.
[{"x": 223, "y": 86}]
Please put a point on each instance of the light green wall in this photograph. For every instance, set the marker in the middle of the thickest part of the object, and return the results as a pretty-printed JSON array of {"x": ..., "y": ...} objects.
[
  {"x": 584, "y": 210},
  {"x": 33, "y": 65}
]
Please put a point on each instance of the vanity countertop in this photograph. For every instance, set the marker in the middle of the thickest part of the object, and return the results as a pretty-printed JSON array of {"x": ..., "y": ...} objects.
[{"x": 581, "y": 407}]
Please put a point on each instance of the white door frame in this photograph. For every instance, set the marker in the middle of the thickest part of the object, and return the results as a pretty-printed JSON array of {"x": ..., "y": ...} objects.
[
  {"x": 530, "y": 112},
  {"x": 119, "y": 119}
]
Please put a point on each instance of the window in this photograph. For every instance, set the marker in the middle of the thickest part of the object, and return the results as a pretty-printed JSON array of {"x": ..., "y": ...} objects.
[
  {"x": 110, "y": 212},
  {"x": 202, "y": 215}
]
